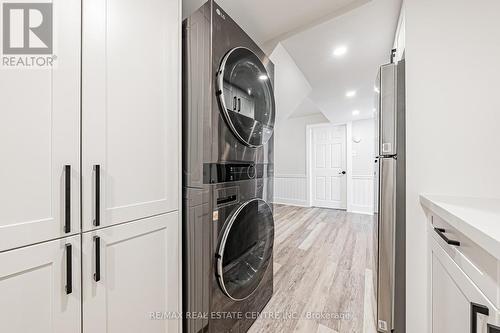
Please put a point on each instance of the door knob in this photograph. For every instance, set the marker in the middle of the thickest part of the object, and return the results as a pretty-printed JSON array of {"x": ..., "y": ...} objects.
[{"x": 342, "y": 173}]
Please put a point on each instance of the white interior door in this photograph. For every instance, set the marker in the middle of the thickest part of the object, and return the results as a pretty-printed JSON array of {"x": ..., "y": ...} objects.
[
  {"x": 39, "y": 136},
  {"x": 130, "y": 110},
  {"x": 139, "y": 273},
  {"x": 328, "y": 167},
  {"x": 34, "y": 291}
]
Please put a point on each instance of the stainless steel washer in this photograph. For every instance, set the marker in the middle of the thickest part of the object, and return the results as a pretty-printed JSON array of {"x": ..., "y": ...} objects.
[{"x": 228, "y": 124}]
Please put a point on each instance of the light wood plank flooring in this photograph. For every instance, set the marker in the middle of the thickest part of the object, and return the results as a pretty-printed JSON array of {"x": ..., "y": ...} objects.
[{"x": 322, "y": 273}]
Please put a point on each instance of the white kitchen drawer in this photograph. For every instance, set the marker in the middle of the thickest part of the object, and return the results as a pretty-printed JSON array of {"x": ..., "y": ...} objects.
[
  {"x": 481, "y": 267},
  {"x": 454, "y": 294}
]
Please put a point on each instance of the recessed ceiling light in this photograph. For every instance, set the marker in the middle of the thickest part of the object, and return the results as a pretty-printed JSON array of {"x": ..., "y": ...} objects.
[
  {"x": 340, "y": 51},
  {"x": 263, "y": 77},
  {"x": 355, "y": 113},
  {"x": 350, "y": 93}
]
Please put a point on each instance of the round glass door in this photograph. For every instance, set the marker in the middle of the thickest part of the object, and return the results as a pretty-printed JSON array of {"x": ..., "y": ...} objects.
[
  {"x": 246, "y": 97},
  {"x": 245, "y": 249}
]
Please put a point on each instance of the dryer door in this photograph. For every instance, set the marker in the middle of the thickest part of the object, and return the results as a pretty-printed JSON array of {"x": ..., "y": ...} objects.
[
  {"x": 245, "y": 249},
  {"x": 246, "y": 97}
]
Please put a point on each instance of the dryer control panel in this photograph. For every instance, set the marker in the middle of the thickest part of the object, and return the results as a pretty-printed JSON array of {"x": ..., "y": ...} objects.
[{"x": 214, "y": 173}]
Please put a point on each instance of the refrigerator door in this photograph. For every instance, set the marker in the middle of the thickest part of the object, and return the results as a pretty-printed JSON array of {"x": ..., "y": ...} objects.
[
  {"x": 388, "y": 110},
  {"x": 386, "y": 244}
]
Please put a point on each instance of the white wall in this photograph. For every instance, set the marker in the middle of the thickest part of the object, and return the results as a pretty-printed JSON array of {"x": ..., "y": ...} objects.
[
  {"x": 360, "y": 192},
  {"x": 400, "y": 36},
  {"x": 363, "y": 152},
  {"x": 290, "y": 181},
  {"x": 453, "y": 119},
  {"x": 291, "y": 86},
  {"x": 291, "y": 90}
]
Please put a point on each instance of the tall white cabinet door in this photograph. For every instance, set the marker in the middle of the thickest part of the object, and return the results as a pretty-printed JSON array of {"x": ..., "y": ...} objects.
[
  {"x": 137, "y": 267},
  {"x": 131, "y": 109},
  {"x": 35, "y": 288},
  {"x": 39, "y": 136},
  {"x": 453, "y": 295}
]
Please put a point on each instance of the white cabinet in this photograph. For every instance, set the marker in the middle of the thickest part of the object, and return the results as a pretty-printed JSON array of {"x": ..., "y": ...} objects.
[
  {"x": 39, "y": 136},
  {"x": 33, "y": 288},
  {"x": 126, "y": 121},
  {"x": 138, "y": 266},
  {"x": 450, "y": 307},
  {"x": 130, "y": 109},
  {"x": 455, "y": 298}
]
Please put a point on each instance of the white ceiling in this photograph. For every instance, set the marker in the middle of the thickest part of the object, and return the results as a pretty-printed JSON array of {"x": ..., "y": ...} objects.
[
  {"x": 267, "y": 20},
  {"x": 368, "y": 32}
]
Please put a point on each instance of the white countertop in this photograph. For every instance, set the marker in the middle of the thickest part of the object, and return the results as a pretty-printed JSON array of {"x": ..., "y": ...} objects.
[{"x": 476, "y": 218}]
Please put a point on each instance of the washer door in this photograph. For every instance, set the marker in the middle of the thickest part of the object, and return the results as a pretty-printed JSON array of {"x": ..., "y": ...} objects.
[
  {"x": 245, "y": 249},
  {"x": 246, "y": 97}
]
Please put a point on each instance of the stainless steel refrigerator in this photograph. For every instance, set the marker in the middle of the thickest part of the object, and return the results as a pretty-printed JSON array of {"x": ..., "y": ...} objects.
[{"x": 389, "y": 236}]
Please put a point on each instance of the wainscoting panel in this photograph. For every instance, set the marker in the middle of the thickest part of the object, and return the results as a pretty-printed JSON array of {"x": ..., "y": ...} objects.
[
  {"x": 290, "y": 190},
  {"x": 362, "y": 194}
]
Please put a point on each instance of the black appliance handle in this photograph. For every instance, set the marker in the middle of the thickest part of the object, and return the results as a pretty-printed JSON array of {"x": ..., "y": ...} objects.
[
  {"x": 97, "y": 245},
  {"x": 476, "y": 309},
  {"x": 441, "y": 231},
  {"x": 97, "y": 197},
  {"x": 69, "y": 269},
  {"x": 67, "y": 198}
]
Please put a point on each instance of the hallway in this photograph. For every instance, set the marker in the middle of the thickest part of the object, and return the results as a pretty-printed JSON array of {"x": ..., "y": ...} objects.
[{"x": 322, "y": 272}]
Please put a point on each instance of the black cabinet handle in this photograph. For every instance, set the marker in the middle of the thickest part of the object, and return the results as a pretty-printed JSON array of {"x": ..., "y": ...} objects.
[
  {"x": 476, "y": 309},
  {"x": 493, "y": 329},
  {"x": 234, "y": 103},
  {"x": 97, "y": 245},
  {"x": 67, "y": 198},
  {"x": 441, "y": 234},
  {"x": 69, "y": 269},
  {"x": 97, "y": 204},
  {"x": 239, "y": 104}
]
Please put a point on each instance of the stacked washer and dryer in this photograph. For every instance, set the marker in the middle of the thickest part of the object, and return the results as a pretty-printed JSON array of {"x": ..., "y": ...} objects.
[{"x": 228, "y": 227}]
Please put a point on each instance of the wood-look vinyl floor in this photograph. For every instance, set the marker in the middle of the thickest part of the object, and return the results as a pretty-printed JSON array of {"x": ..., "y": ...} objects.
[{"x": 323, "y": 270}]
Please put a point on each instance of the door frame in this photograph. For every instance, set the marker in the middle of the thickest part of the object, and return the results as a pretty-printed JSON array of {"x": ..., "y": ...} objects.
[{"x": 309, "y": 150}]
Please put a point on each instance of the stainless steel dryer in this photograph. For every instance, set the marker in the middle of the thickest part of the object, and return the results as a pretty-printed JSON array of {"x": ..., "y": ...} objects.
[
  {"x": 228, "y": 122},
  {"x": 228, "y": 97}
]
